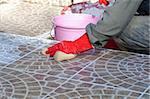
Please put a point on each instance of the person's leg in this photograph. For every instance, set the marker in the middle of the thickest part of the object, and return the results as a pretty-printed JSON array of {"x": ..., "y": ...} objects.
[
  {"x": 114, "y": 21},
  {"x": 136, "y": 36}
]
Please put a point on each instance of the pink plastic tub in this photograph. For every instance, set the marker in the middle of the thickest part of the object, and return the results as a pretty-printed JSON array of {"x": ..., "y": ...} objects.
[{"x": 70, "y": 27}]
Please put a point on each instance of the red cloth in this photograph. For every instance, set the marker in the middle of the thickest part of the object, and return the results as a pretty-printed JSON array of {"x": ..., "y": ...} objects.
[
  {"x": 71, "y": 47},
  {"x": 111, "y": 44},
  {"x": 75, "y": 47},
  {"x": 105, "y": 2}
]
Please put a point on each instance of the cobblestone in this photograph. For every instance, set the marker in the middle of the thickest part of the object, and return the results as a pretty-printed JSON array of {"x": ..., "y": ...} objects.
[{"x": 104, "y": 74}]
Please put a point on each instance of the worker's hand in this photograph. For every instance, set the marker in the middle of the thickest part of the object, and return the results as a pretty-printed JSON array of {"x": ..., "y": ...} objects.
[
  {"x": 44, "y": 52},
  {"x": 105, "y": 2},
  {"x": 70, "y": 47}
]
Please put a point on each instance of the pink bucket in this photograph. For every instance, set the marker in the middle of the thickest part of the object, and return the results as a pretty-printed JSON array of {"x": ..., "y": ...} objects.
[{"x": 72, "y": 26}]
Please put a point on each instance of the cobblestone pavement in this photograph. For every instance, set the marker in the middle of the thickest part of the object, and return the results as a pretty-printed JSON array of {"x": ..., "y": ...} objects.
[
  {"x": 104, "y": 74},
  {"x": 13, "y": 46}
]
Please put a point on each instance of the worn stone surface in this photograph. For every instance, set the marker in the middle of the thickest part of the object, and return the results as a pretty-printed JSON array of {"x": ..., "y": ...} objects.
[
  {"x": 96, "y": 74},
  {"x": 13, "y": 47}
]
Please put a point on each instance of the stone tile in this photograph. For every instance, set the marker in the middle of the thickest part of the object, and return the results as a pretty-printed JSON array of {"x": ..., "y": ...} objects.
[
  {"x": 124, "y": 93},
  {"x": 61, "y": 97},
  {"x": 109, "y": 91},
  {"x": 106, "y": 97},
  {"x": 14, "y": 47},
  {"x": 119, "y": 97},
  {"x": 106, "y": 75},
  {"x": 95, "y": 97},
  {"x": 135, "y": 94},
  {"x": 125, "y": 85},
  {"x": 74, "y": 89},
  {"x": 141, "y": 84},
  {"x": 73, "y": 94},
  {"x": 139, "y": 89},
  {"x": 37, "y": 63},
  {"x": 107, "y": 78},
  {"x": 145, "y": 96}
]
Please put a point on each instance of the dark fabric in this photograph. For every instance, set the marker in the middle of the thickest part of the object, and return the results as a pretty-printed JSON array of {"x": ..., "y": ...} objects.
[
  {"x": 136, "y": 35},
  {"x": 111, "y": 44},
  {"x": 144, "y": 8}
]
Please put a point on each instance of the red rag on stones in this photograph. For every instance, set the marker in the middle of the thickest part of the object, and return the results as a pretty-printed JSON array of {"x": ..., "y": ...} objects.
[{"x": 71, "y": 47}]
